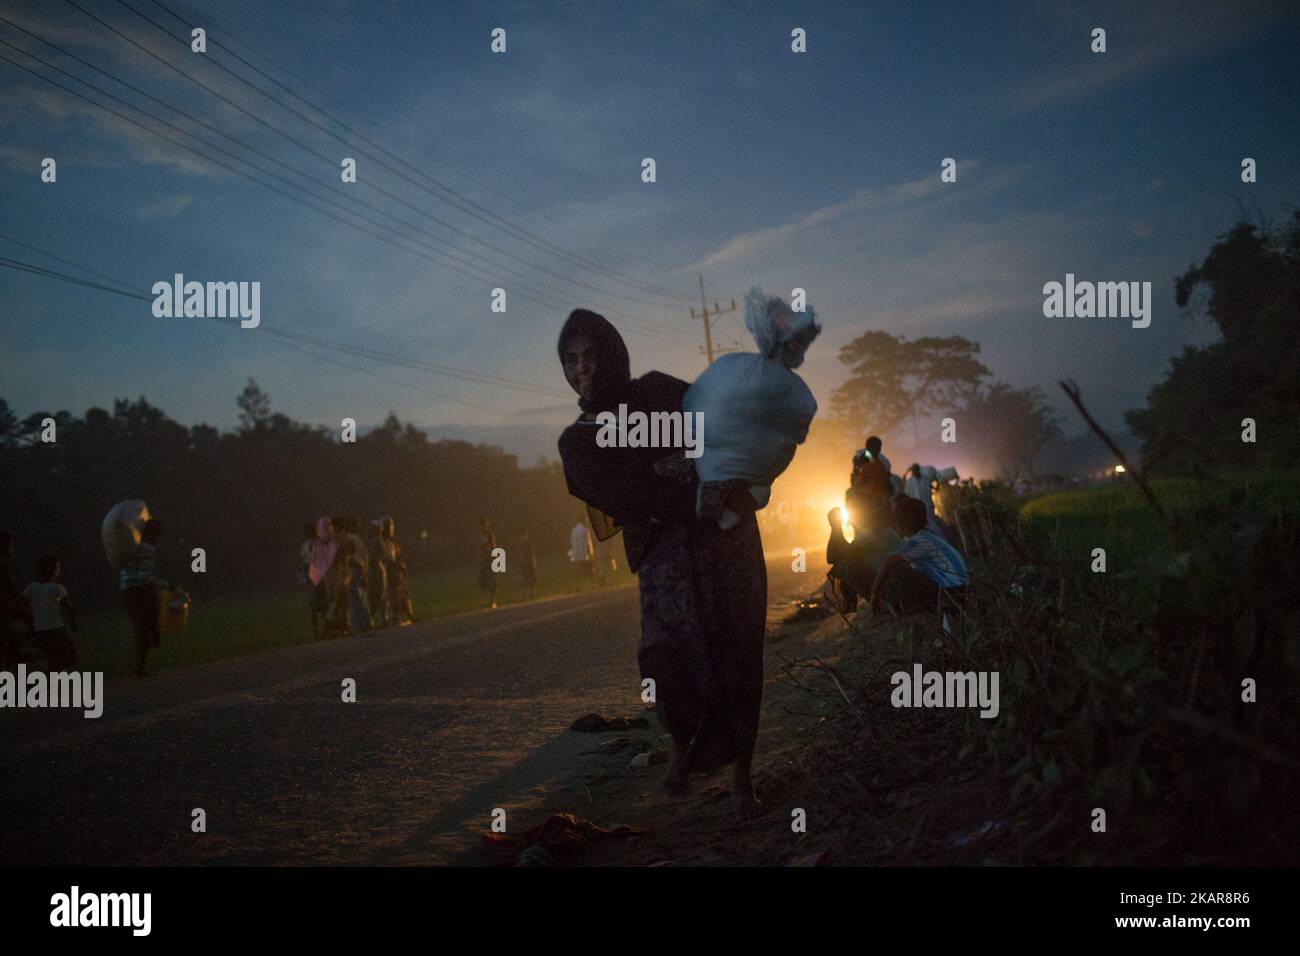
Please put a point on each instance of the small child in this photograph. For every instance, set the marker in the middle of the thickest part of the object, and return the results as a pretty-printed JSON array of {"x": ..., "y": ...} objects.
[{"x": 54, "y": 622}]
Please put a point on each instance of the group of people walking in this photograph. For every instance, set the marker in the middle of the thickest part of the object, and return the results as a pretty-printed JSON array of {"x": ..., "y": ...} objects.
[{"x": 356, "y": 584}]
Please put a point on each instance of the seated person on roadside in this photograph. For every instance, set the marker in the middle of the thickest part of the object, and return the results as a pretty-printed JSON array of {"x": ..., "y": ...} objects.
[
  {"x": 855, "y": 564},
  {"x": 871, "y": 470},
  {"x": 925, "y": 565}
]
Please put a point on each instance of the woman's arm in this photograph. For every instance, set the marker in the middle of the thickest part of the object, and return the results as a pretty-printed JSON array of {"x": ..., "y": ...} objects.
[{"x": 627, "y": 491}]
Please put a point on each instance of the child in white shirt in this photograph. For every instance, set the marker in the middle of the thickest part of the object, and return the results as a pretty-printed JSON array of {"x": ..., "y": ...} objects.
[{"x": 54, "y": 621}]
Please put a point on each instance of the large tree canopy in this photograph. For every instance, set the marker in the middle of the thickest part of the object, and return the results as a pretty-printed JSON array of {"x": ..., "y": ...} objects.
[
  {"x": 892, "y": 378},
  {"x": 1248, "y": 285},
  {"x": 1007, "y": 427}
]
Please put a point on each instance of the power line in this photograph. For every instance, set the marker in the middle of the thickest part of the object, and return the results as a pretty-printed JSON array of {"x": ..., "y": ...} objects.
[
  {"x": 18, "y": 266},
  {"x": 433, "y": 254},
  {"x": 524, "y": 208},
  {"x": 328, "y": 160},
  {"x": 122, "y": 290},
  {"x": 640, "y": 325},
  {"x": 519, "y": 231},
  {"x": 383, "y": 378}
]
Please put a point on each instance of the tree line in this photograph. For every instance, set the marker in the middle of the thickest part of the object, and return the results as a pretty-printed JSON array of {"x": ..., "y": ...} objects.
[
  {"x": 1248, "y": 286},
  {"x": 244, "y": 495}
]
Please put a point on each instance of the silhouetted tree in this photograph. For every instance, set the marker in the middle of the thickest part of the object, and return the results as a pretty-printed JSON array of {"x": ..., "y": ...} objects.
[
  {"x": 1249, "y": 287},
  {"x": 244, "y": 495},
  {"x": 1007, "y": 427},
  {"x": 254, "y": 407},
  {"x": 892, "y": 378}
]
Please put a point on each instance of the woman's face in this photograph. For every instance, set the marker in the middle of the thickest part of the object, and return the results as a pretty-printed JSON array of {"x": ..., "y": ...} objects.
[{"x": 579, "y": 360}]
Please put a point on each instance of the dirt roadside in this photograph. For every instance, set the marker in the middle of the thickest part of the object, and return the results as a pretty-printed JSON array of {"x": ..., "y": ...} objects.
[{"x": 871, "y": 784}]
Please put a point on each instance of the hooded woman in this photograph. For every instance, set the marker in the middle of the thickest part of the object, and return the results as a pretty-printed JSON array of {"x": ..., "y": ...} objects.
[
  {"x": 703, "y": 589},
  {"x": 320, "y": 554}
]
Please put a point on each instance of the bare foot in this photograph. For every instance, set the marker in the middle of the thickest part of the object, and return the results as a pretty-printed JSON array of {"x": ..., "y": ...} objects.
[{"x": 677, "y": 781}]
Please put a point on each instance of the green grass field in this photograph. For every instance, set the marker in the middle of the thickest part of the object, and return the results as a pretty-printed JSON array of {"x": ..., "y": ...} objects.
[
  {"x": 235, "y": 626},
  {"x": 1117, "y": 517}
]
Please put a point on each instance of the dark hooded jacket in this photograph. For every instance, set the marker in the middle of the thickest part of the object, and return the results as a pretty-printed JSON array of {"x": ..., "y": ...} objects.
[{"x": 623, "y": 482}]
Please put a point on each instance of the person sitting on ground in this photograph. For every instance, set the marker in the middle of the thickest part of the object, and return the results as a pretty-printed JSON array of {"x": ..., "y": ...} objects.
[
  {"x": 878, "y": 476},
  {"x": 925, "y": 567},
  {"x": 855, "y": 564},
  {"x": 54, "y": 622}
]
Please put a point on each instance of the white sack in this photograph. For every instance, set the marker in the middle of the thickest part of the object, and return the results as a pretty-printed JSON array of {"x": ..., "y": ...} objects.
[
  {"x": 121, "y": 530},
  {"x": 755, "y": 414}
]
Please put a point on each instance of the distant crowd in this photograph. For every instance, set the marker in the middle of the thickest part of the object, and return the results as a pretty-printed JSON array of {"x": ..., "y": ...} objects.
[
  {"x": 899, "y": 551},
  {"x": 356, "y": 585},
  {"x": 356, "y": 578}
]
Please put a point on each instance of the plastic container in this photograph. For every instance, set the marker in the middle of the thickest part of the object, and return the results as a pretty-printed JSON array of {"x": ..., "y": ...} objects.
[{"x": 173, "y": 612}]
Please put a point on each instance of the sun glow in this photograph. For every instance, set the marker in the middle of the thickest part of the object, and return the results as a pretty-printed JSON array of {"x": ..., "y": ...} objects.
[{"x": 844, "y": 518}]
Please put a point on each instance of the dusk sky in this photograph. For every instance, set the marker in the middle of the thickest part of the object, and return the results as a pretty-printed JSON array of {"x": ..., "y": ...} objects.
[{"x": 818, "y": 170}]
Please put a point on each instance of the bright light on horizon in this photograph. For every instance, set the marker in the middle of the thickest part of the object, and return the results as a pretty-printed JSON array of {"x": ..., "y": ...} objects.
[{"x": 844, "y": 518}]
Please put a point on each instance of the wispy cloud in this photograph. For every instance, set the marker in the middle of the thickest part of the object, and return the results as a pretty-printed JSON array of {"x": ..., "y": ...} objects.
[
  {"x": 1154, "y": 36},
  {"x": 142, "y": 146},
  {"x": 866, "y": 204},
  {"x": 748, "y": 244},
  {"x": 166, "y": 207}
]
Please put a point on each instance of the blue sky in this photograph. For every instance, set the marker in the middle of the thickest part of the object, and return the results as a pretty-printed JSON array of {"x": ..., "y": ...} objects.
[{"x": 819, "y": 170}]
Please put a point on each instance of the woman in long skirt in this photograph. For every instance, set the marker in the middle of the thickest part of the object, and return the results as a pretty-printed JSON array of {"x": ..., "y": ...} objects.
[{"x": 703, "y": 589}]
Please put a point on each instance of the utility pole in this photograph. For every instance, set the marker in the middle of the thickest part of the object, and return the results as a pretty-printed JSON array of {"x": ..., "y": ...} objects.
[{"x": 705, "y": 314}]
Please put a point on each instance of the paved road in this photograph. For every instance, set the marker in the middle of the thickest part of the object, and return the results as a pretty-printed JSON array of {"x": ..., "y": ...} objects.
[{"x": 453, "y": 718}]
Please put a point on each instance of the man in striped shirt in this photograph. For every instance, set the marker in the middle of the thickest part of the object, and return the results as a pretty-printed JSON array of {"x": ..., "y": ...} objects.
[
  {"x": 140, "y": 593},
  {"x": 925, "y": 566}
]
